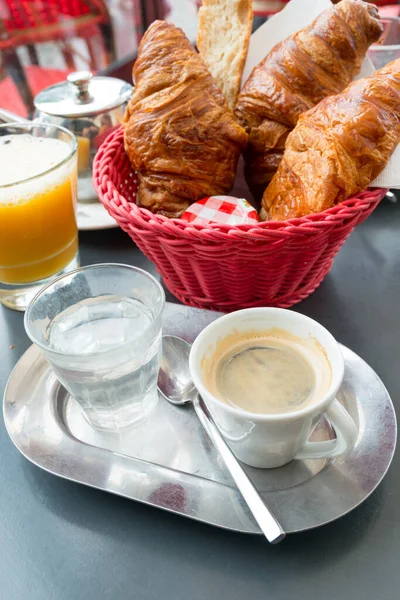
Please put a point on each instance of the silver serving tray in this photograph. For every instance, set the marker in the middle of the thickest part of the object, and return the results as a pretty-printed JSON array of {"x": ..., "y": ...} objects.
[{"x": 169, "y": 462}]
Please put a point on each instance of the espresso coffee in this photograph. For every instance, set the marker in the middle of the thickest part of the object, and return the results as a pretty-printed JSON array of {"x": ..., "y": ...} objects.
[{"x": 267, "y": 373}]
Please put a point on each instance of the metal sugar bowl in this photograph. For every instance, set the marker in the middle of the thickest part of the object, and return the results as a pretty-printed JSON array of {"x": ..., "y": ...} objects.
[{"x": 91, "y": 107}]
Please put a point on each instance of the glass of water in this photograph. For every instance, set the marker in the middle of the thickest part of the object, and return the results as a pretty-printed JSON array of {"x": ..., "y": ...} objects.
[{"x": 100, "y": 329}]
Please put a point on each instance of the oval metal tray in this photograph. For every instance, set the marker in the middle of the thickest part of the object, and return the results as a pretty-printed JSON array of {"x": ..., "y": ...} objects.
[{"x": 169, "y": 462}]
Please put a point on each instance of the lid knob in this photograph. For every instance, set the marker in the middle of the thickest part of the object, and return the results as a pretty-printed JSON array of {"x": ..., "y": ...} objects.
[{"x": 80, "y": 81}]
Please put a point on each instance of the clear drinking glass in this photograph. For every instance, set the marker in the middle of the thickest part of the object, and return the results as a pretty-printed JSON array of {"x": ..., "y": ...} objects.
[
  {"x": 38, "y": 231},
  {"x": 389, "y": 47},
  {"x": 100, "y": 329}
]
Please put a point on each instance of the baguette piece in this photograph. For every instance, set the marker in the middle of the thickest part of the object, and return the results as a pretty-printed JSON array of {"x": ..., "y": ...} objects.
[{"x": 223, "y": 40}]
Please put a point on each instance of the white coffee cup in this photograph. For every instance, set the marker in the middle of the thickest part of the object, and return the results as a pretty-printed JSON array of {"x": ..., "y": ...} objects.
[{"x": 272, "y": 440}]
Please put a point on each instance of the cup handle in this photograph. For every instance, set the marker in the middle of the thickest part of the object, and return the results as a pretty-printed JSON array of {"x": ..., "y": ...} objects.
[{"x": 346, "y": 435}]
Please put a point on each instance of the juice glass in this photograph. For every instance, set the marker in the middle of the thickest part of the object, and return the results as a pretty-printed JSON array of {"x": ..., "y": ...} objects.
[{"x": 38, "y": 230}]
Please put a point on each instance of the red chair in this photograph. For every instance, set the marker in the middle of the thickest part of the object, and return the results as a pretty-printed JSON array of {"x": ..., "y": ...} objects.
[{"x": 31, "y": 22}]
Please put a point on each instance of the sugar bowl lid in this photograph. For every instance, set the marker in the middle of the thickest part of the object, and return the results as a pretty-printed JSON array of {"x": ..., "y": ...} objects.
[{"x": 82, "y": 94}]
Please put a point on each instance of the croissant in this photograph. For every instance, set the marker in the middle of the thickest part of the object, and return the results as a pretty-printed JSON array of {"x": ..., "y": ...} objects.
[
  {"x": 338, "y": 147},
  {"x": 179, "y": 133},
  {"x": 317, "y": 61}
]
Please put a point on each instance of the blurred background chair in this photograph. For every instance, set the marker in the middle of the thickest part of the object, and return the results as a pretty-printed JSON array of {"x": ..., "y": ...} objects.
[{"x": 74, "y": 33}]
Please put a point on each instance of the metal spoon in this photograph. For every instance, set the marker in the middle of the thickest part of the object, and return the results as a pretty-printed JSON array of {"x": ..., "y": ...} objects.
[{"x": 176, "y": 386}]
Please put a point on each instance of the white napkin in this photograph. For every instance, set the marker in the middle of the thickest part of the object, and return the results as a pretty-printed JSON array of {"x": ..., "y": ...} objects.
[{"x": 295, "y": 15}]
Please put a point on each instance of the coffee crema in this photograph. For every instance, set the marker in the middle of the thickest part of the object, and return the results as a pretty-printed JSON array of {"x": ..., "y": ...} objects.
[{"x": 268, "y": 372}]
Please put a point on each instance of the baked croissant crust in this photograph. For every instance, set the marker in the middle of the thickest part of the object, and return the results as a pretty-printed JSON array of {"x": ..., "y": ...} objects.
[
  {"x": 179, "y": 133},
  {"x": 337, "y": 148},
  {"x": 317, "y": 61}
]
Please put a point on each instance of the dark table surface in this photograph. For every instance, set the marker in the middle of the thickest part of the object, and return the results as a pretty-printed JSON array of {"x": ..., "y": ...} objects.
[{"x": 60, "y": 540}]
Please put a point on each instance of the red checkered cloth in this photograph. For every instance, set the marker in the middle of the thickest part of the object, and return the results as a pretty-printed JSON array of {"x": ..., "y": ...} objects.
[{"x": 224, "y": 210}]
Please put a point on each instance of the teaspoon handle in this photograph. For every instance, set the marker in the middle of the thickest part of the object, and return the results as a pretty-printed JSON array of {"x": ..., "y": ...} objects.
[{"x": 265, "y": 519}]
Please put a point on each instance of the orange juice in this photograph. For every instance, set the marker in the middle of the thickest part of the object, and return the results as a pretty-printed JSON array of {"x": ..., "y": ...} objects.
[
  {"x": 38, "y": 231},
  {"x": 83, "y": 154}
]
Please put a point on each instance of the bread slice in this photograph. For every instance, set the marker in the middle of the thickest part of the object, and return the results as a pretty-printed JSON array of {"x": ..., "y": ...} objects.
[{"x": 223, "y": 40}]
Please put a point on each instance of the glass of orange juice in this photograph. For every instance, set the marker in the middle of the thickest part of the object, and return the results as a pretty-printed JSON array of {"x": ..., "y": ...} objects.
[{"x": 38, "y": 231}]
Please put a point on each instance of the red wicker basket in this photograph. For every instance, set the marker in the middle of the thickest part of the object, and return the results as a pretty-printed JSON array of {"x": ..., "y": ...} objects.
[{"x": 223, "y": 267}]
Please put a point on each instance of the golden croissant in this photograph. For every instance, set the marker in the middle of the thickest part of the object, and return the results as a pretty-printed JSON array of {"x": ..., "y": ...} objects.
[
  {"x": 337, "y": 148},
  {"x": 317, "y": 61},
  {"x": 179, "y": 133}
]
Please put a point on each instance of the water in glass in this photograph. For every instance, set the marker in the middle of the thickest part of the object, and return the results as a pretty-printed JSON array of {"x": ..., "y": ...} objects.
[{"x": 116, "y": 374}]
